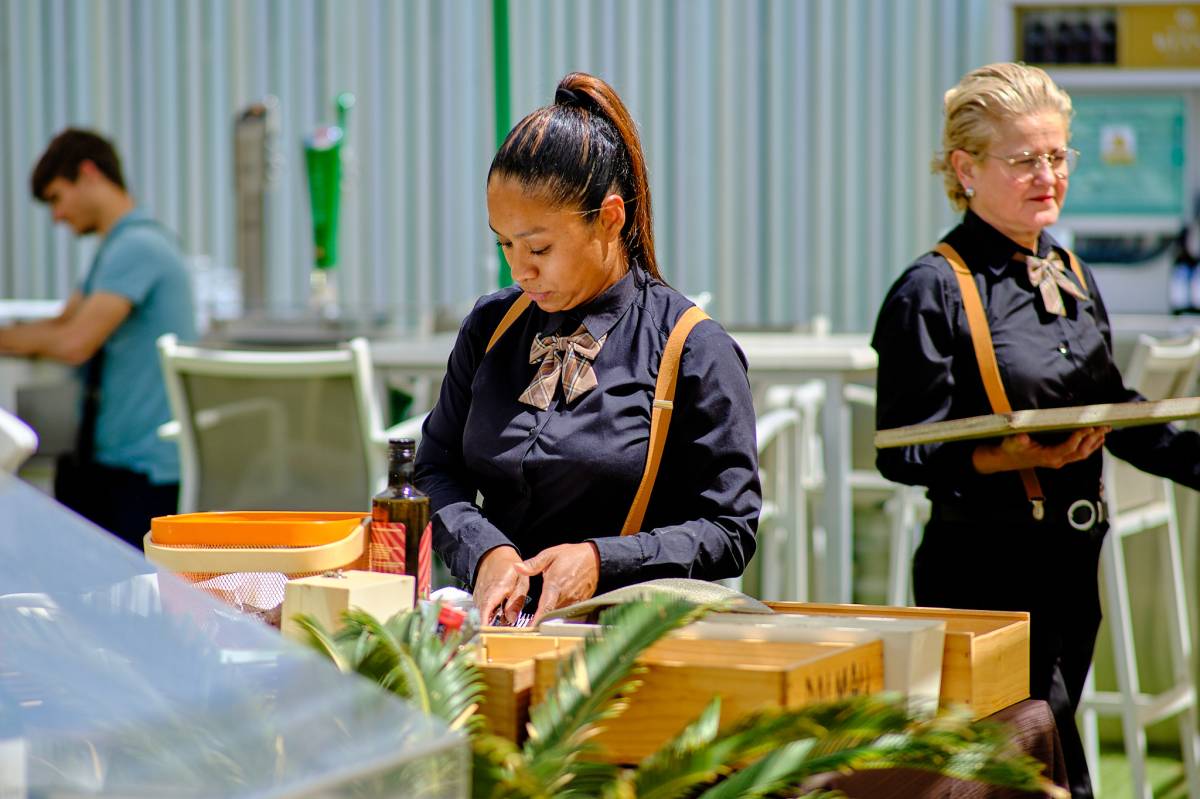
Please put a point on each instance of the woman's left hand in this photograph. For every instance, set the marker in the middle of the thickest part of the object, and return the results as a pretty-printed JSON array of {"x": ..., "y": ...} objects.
[{"x": 570, "y": 573}]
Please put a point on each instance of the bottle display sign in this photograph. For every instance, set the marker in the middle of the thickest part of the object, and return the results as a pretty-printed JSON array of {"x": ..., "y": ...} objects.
[
  {"x": 1133, "y": 157},
  {"x": 1159, "y": 36},
  {"x": 1113, "y": 35}
]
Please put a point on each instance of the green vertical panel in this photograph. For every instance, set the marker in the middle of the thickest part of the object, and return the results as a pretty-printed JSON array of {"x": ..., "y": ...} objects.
[{"x": 503, "y": 99}]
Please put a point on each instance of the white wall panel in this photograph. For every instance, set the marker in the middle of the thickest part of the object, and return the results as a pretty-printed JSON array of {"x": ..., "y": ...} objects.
[{"x": 788, "y": 140}]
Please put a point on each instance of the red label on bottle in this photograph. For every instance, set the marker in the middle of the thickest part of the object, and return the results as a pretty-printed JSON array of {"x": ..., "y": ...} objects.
[
  {"x": 425, "y": 568},
  {"x": 386, "y": 553},
  {"x": 387, "y": 547}
]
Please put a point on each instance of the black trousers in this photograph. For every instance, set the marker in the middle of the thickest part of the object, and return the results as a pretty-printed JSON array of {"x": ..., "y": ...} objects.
[
  {"x": 119, "y": 500},
  {"x": 1046, "y": 569}
]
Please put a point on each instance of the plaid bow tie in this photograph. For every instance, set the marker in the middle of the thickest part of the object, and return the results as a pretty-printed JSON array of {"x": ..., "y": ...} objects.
[
  {"x": 1048, "y": 276},
  {"x": 569, "y": 357}
]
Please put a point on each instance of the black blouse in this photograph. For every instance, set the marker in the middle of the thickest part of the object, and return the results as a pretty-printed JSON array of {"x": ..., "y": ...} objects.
[
  {"x": 928, "y": 372},
  {"x": 568, "y": 474}
]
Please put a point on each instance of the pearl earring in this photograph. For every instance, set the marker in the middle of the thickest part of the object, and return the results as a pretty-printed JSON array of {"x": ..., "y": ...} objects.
[{"x": 969, "y": 192}]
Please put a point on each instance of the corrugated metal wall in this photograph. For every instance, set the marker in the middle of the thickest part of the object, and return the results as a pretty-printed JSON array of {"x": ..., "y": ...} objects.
[{"x": 788, "y": 140}]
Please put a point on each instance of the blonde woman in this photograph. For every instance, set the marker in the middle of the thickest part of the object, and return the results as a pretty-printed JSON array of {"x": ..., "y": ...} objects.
[{"x": 1017, "y": 523}]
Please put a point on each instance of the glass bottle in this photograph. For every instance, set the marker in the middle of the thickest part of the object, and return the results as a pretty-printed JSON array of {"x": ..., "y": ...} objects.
[{"x": 401, "y": 540}]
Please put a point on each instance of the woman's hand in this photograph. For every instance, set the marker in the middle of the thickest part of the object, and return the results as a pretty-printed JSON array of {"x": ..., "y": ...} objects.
[
  {"x": 499, "y": 586},
  {"x": 1022, "y": 452},
  {"x": 570, "y": 573}
]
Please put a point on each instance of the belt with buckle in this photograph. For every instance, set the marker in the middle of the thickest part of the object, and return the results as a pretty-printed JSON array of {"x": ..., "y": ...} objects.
[{"x": 1082, "y": 514}]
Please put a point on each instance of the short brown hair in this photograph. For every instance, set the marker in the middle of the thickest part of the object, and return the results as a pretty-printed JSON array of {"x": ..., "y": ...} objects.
[
  {"x": 67, "y": 152},
  {"x": 984, "y": 99}
]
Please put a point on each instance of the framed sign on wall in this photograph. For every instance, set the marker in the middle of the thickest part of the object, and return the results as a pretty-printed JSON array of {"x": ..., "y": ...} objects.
[{"x": 1133, "y": 155}]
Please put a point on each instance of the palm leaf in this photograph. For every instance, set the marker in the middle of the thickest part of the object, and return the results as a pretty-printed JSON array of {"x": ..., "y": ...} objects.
[
  {"x": 405, "y": 677},
  {"x": 594, "y": 675},
  {"x": 590, "y": 686},
  {"x": 770, "y": 774},
  {"x": 867, "y": 733},
  {"x": 699, "y": 755},
  {"x": 408, "y": 657},
  {"x": 321, "y": 641}
]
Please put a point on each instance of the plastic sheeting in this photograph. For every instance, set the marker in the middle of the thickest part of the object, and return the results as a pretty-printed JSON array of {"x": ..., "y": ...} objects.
[{"x": 119, "y": 681}]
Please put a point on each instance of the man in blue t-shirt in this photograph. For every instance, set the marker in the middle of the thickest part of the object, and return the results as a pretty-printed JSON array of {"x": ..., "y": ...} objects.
[{"x": 121, "y": 474}]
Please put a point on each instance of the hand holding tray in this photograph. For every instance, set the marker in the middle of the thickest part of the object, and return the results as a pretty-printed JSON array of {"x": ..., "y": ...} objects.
[{"x": 1117, "y": 414}]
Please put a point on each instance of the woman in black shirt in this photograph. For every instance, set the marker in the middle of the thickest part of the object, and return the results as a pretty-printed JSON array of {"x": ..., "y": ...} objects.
[
  {"x": 1007, "y": 163},
  {"x": 550, "y": 425}
]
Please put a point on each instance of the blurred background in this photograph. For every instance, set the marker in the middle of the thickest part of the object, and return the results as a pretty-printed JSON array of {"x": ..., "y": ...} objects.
[{"x": 788, "y": 142}]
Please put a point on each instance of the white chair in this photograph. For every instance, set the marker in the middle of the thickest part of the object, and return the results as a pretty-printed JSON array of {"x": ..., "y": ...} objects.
[
  {"x": 1142, "y": 504},
  {"x": 276, "y": 430},
  {"x": 17, "y": 442},
  {"x": 906, "y": 506},
  {"x": 779, "y": 569}
]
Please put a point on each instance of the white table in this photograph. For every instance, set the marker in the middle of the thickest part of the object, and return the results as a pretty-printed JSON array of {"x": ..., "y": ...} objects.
[
  {"x": 792, "y": 358},
  {"x": 775, "y": 358},
  {"x": 17, "y": 372},
  {"x": 28, "y": 310}
]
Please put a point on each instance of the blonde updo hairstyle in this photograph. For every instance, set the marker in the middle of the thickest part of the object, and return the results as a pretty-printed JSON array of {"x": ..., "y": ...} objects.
[{"x": 985, "y": 99}]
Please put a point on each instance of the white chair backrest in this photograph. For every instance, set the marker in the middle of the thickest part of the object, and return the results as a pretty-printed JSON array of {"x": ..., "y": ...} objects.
[
  {"x": 274, "y": 430},
  {"x": 1158, "y": 369},
  {"x": 1162, "y": 369},
  {"x": 17, "y": 442}
]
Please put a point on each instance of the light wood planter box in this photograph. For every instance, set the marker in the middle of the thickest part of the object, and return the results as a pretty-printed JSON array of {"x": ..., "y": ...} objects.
[
  {"x": 682, "y": 676},
  {"x": 505, "y": 661},
  {"x": 985, "y": 662}
]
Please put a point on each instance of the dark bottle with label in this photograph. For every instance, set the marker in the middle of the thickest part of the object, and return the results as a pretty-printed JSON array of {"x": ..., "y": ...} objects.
[{"x": 401, "y": 538}]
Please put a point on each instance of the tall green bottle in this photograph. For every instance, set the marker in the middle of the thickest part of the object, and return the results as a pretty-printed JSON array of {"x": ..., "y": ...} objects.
[{"x": 401, "y": 535}]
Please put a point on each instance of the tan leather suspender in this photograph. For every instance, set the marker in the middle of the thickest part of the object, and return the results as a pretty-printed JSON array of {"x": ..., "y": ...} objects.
[
  {"x": 660, "y": 416},
  {"x": 514, "y": 310},
  {"x": 985, "y": 355},
  {"x": 981, "y": 333},
  {"x": 664, "y": 398}
]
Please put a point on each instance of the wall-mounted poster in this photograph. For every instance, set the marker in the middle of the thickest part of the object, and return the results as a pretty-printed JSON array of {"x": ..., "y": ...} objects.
[{"x": 1132, "y": 155}]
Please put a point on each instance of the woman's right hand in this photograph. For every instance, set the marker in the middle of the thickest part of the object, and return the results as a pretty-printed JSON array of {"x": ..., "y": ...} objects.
[
  {"x": 1022, "y": 452},
  {"x": 499, "y": 586}
]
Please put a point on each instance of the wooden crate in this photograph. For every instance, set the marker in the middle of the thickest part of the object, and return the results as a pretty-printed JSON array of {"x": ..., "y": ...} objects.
[
  {"x": 506, "y": 663},
  {"x": 682, "y": 676},
  {"x": 985, "y": 662},
  {"x": 912, "y": 648}
]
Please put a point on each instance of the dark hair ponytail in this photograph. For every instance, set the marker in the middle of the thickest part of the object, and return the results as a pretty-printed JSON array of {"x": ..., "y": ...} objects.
[{"x": 580, "y": 149}]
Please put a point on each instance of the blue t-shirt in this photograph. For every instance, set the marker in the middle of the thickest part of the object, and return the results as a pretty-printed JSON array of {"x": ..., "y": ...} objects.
[{"x": 140, "y": 261}]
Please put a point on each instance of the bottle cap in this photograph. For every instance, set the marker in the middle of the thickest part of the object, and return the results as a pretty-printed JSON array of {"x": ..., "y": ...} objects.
[{"x": 402, "y": 447}]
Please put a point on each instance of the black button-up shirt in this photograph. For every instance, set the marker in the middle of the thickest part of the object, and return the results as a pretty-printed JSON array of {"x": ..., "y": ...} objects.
[
  {"x": 568, "y": 474},
  {"x": 928, "y": 373}
]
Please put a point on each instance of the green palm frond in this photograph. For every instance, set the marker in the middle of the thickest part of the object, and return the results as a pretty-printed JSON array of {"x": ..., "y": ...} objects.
[
  {"x": 699, "y": 755},
  {"x": 866, "y": 733},
  {"x": 770, "y": 774},
  {"x": 591, "y": 686},
  {"x": 408, "y": 657},
  {"x": 323, "y": 642},
  {"x": 763, "y": 755}
]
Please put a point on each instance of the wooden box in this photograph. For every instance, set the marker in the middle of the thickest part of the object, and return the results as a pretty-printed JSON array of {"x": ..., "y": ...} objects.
[
  {"x": 682, "y": 676},
  {"x": 506, "y": 663},
  {"x": 985, "y": 662},
  {"x": 912, "y": 648},
  {"x": 326, "y": 597}
]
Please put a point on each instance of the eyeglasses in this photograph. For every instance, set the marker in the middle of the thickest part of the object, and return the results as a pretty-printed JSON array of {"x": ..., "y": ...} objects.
[{"x": 1025, "y": 166}]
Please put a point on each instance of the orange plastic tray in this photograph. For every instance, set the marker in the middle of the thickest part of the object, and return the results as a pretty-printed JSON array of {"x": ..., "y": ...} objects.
[{"x": 254, "y": 528}]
